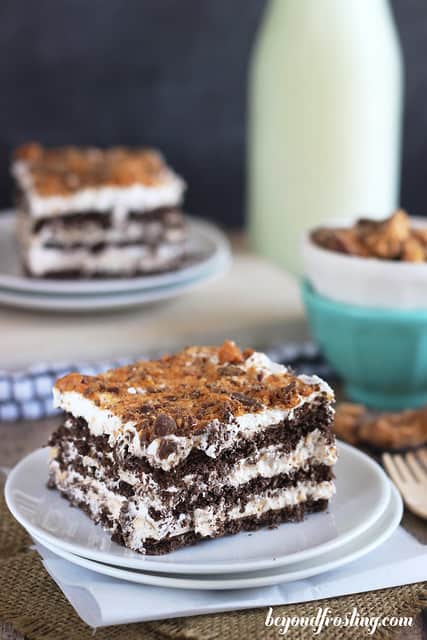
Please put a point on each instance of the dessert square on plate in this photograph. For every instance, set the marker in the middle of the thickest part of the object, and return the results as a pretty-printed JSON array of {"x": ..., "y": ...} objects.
[
  {"x": 200, "y": 444},
  {"x": 87, "y": 212}
]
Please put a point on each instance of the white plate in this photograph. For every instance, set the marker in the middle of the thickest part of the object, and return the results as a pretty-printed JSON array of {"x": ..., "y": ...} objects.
[
  {"x": 356, "y": 548},
  {"x": 204, "y": 238},
  {"x": 362, "y": 495},
  {"x": 117, "y": 300}
]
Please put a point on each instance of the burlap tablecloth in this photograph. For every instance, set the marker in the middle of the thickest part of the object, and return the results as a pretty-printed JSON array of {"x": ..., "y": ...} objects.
[{"x": 33, "y": 604}]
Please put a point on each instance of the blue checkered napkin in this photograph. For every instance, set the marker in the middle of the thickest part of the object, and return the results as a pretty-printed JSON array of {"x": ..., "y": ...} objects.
[{"x": 27, "y": 395}]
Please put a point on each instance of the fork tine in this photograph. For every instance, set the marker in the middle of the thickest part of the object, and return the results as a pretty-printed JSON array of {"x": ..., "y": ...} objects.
[
  {"x": 391, "y": 469},
  {"x": 412, "y": 493},
  {"x": 422, "y": 454},
  {"x": 416, "y": 468},
  {"x": 402, "y": 468}
]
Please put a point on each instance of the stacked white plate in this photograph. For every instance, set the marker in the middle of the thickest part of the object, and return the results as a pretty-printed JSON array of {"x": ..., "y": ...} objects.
[
  {"x": 363, "y": 514},
  {"x": 206, "y": 242}
]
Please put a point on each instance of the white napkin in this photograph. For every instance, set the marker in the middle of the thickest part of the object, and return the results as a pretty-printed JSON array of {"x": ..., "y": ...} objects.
[{"x": 101, "y": 601}]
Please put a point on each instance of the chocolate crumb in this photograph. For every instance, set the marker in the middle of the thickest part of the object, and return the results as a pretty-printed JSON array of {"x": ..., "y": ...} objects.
[
  {"x": 230, "y": 370},
  {"x": 144, "y": 409},
  {"x": 285, "y": 394},
  {"x": 247, "y": 401},
  {"x": 164, "y": 425}
]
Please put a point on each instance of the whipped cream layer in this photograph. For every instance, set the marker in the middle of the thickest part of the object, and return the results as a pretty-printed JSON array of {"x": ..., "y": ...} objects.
[
  {"x": 267, "y": 462},
  {"x": 209, "y": 521},
  {"x": 138, "y": 525},
  {"x": 111, "y": 259},
  {"x": 312, "y": 449},
  {"x": 138, "y": 197},
  {"x": 206, "y": 520}
]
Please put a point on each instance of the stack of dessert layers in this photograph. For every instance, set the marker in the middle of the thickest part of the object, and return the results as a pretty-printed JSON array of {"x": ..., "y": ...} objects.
[
  {"x": 207, "y": 442},
  {"x": 87, "y": 212}
]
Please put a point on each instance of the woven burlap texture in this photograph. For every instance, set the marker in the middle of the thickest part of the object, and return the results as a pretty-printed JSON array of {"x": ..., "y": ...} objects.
[{"x": 36, "y": 608}]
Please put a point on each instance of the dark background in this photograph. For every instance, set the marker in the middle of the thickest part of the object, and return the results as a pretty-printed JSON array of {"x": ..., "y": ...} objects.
[{"x": 170, "y": 73}]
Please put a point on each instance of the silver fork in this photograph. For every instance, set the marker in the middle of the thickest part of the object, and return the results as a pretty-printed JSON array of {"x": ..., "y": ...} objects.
[{"x": 409, "y": 473}]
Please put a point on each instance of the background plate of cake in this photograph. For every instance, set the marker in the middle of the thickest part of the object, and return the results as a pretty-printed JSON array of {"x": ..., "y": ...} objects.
[
  {"x": 212, "y": 460},
  {"x": 101, "y": 222}
]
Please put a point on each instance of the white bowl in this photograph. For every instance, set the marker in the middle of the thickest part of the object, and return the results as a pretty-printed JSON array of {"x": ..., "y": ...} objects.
[{"x": 367, "y": 282}]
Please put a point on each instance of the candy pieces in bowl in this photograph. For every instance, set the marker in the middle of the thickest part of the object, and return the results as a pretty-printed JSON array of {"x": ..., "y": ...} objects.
[{"x": 366, "y": 299}]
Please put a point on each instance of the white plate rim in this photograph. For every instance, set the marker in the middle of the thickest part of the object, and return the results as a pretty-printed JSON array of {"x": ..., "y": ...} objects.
[
  {"x": 121, "y": 300},
  {"x": 116, "y": 285},
  {"x": 393, "y": 513},
  {"x": 163, "y": 567}
]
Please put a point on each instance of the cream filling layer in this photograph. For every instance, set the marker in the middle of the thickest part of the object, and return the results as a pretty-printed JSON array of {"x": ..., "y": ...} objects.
[
  {"x": 112, "y": 259},
  {"x": 89, "y": 491},
  {"x": 205, "y": 522},
  {"x": 272, "y": 461},
  {"x": 136, "y": 197},
  {"x": 312, "y": 449}
]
